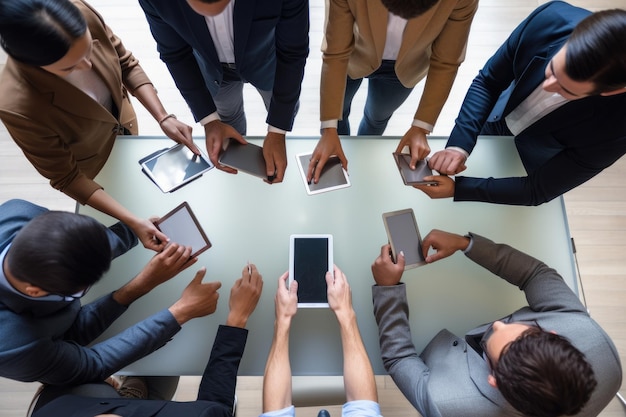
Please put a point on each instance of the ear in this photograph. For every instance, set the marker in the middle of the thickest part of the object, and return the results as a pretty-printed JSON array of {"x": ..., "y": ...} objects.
[
  {"x": 492, "y": 381},
  {"x": 34, "y": 291},
  {"x": 614, "y": 92}
]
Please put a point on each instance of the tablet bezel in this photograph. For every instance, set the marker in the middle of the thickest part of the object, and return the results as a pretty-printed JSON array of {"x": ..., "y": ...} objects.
[
  {"x": 303, "y": 171},
  {"x": 144, "y": 166},
  {"x": 292, "y": 240},
  {"x": 184, "y": 205},
  {"x": 393, "y": 240}
]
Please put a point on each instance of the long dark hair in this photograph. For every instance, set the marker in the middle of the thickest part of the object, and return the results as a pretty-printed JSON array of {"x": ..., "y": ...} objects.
[{"x": 39, "y": 32}]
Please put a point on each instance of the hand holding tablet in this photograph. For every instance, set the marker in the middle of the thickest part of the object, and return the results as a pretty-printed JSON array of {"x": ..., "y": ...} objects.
[
  {"x": 333, "y": 176},
  {"x": 404, "y": 236},
  {"x": 310, "y": 258},
  {"x": 413, "y": 176},
  {"x": 181, "y": 226}
]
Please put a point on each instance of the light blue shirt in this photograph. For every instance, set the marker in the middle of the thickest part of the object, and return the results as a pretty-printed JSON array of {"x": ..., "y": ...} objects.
[{"x": 358, "y": 408}]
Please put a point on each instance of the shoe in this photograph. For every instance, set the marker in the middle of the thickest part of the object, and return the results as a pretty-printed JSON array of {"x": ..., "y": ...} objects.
[
  {"x": 323, "y": 413},
  {"x": 133, "y": 387}
]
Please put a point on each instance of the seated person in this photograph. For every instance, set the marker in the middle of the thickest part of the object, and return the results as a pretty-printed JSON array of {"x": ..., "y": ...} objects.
[
  {"x": 49, "y": 261},
  {"x": 558, "y": 85},
  {"x": 358, "y": 375},
  {"x": 547, "y": 359},
  {"x": 64, "y": 99},
  {"x": 216, "y": 395}
]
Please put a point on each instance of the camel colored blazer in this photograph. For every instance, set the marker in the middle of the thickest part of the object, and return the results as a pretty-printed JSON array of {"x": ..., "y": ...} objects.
[
  {"x": 64, "y": 133},
  {"x": 433, "y": 46}
]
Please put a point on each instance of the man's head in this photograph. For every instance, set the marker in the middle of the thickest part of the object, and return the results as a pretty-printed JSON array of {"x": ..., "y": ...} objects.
[
  {"x": 593, "y": 60},
  {"x": 58, "y": 253},
  {"x": 208, "y": 8},
  {"x": 408, "y": 9},
  {"x": 540, "y": 373}
]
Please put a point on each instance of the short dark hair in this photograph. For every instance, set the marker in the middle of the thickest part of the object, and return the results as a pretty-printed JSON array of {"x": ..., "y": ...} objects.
[
  {"x": 596, "y": 50},
  {"x": 60, "y": 252},
  {"x": 39, "y": 32},
  {"x": 408, "y": 9},
  {"x": 541, "y": 374}
]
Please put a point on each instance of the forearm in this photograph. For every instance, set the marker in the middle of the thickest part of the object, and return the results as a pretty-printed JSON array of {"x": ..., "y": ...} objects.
[
  {"x": 147, "y": 96},
  {"x": 93, "y": 319},
  {"x": 277, "y": 378},
  {"x": 103, "y": 202}
]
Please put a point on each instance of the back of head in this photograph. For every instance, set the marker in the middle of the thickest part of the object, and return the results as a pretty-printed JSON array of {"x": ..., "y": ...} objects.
[
  {"x": 60, "y": 252},
  {"x": 39, "y": 32},
  {"x": 541, "y": 374},
  {"x": 408, "y": 9},
  {"x": 596, "y": 50}
]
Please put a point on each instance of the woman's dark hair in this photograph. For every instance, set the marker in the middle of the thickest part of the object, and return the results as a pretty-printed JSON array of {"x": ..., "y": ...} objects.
[
  {"x": 60, "y": 252},
  {"x": 408, "y": 9},
  {"x": 39, "y": 32},
  {"x": 541, "y": 374},
  {"x": 596, "y": 50}
]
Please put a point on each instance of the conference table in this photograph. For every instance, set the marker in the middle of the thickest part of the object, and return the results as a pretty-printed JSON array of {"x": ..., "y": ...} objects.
[{"x": 247, "y": 219}]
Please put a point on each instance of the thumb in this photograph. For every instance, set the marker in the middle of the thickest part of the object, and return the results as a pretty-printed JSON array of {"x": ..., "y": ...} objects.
[
  {"x": 197, "y": 279},
  {"x": 293, "y": 287},
  {"x": 401, "y": 261}
]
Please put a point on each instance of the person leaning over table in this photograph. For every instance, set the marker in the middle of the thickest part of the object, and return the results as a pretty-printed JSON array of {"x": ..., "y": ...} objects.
[
  {"x": 213, "y": 47},
  {"x": 547, "y": 359},
  {"x": 216, "y": 394},
  {"x": 558, "y": 85},
  {"x": 64, "y": 99},
  {"x": 358, "y": 376},
  {"x": 49, "y": 261},
  {"x": 394, "y": 44}
]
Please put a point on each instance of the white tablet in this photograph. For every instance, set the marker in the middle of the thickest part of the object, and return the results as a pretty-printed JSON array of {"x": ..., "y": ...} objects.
[
  {"x": 181, "y": 226},
  {"x": 413, "y": 176},
  {"x": 247, "y": 158},
  {"x": 333, "y": 176},
  {"x": 404, "y": 236},
  {"x": 310, "y": 257},
  {"x": 174, "y": 167}
]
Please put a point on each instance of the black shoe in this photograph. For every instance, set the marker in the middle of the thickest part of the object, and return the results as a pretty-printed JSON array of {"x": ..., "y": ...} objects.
[{"x": 323, "y": 413}]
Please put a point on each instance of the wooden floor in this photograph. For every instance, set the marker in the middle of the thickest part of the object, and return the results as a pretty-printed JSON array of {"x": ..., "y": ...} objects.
[{"x": 596, "y": 210}]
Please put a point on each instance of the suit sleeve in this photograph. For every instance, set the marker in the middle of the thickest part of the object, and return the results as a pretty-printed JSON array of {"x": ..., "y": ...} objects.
[
  {"x": 292, "y": 49},
  {"x": 220, "y": 375},
  {"x": 178, "y": 56},
  {"x": 399, "y": 356},
  {"x": 544, "y": 288}
]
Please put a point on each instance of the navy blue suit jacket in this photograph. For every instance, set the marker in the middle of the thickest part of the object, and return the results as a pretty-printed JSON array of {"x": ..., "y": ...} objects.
[
  {"x": 215, "y": 396},
  {"x": 561, "y": 150},
  {"x": 271, "y": 44}
]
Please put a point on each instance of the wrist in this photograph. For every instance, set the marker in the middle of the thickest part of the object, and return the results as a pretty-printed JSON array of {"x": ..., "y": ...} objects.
[
  {"x": 180, "y": 314},
  {"x": 235, "y": 319},
  {"x": 164, "y": 118}
]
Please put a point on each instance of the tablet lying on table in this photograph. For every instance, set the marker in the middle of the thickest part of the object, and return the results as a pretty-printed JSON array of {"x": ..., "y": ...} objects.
[
  {"x": 310, "y": 257},
  {"x": 181, "y": 226},
  {"x": 247, "y": 158},
  {"x": 404, "y": 236},
  {"x": 333, "y": 176},
  {"x": 174, "y": 167}
]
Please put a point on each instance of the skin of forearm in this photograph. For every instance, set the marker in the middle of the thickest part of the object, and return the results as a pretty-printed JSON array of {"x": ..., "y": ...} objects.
[{"x": 277, "y": 379}]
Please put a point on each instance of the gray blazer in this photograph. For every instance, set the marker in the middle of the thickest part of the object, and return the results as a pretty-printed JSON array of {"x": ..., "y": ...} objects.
[{"x": 449, "y": 378}]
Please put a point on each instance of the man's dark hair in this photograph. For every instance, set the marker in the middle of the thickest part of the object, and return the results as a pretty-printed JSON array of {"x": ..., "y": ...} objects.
[
  {"x": 60, "y": 252},
  {"x": 541, "y": 374},
  {"x": 39, "y": 32},
  {"x": 408, "y": 9},
  {"x": 596, "y": 50}
]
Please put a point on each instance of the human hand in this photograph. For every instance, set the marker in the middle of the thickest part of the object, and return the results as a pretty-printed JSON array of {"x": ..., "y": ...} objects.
[
  {"x": 447, "y": 162},
  {"x": 149, "y": 235},
  {"x": 443, "y": 189},
  {"x": 385, "y": 272},
  {"x": 339, "y": 293},
  {"x": 197, "y": 300},
  {"x": 216, "y": 133},
  {"x": 286, "y": 299},
  {"x": 244, "y": 296},
  {"x": 275, "y": 154},
  {"x": 415, "y": 139},
  {"x": 163, "y": 266},
  {"x": 179, "y": 132},
  {"x": 328, "y": 145},
  {"x": 444, "y": 243}
]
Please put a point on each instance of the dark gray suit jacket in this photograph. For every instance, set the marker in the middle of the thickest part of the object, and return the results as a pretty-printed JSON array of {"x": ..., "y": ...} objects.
[{"x": 449, "y": 378}]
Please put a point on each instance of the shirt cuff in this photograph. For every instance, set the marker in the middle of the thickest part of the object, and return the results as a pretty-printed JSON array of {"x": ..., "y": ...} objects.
[
  {"x": 329, "y": 124},
  {"x": 210, "y": 118},
  {"x": 461, "y": 150},
  {"x": 275, "y": 129},
  {"x": 471, "y": 244},
  {"x": 423, "y": 125}
]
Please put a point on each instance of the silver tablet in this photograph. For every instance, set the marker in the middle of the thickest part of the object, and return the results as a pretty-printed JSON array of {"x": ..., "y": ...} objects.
[
  {"x": 174, "y": 167},
  {"x": 247, "y": 158},
  {"x": 310, "y": 257},
  {"x": 413, "y": 176},
  {"x": 333, "y": 176},
  {"x": 404, "y": 236}
]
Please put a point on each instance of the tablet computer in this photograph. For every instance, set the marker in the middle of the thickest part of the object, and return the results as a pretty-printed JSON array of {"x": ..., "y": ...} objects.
[
  {"x": 181, "y": 226},
  {"x": 247, "y": 158},
  {"x": 310, "y": 257},
  {"x": 404, "y": 236},
  {"x": 413, "y": 176},
  {"x": 333, "y": 176},
  {"x": 174, "y": 167}
]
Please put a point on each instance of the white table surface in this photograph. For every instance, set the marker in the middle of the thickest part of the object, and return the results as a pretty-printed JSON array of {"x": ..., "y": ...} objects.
[{"x": 247, "y": 219}]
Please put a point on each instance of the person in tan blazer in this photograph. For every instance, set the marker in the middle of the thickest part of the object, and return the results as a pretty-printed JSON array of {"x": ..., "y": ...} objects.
[
  {"x": 64, "y": 99},
  {"x": 395, "y": 44}
]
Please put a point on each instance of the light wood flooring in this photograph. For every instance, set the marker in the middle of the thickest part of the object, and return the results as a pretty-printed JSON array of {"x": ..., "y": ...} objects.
[{"x": 596, "y": 210}]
